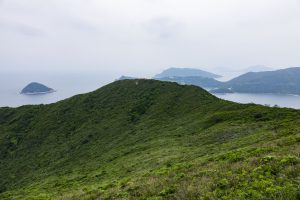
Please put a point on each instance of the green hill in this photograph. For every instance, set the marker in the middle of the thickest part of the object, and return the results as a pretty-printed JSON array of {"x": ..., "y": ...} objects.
[{"x": 146, "y": 139}]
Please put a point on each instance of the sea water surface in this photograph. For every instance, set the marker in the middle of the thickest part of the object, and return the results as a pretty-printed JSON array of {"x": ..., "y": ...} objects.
[
  {"x": 65, "y": 84},
  {"x": 70, "y": 84},
  {"x": 281, "y": 100}
]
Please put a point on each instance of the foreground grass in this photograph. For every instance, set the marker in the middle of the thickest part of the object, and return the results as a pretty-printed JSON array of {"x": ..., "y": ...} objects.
[{"x": 141, "y": 139}]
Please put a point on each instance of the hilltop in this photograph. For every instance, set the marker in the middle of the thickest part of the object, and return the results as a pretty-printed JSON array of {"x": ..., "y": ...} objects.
[{"x": 147, "y": 139}]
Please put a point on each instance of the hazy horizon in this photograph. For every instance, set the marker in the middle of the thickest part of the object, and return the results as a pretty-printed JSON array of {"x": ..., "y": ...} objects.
[{"x": 144, "y": 37}]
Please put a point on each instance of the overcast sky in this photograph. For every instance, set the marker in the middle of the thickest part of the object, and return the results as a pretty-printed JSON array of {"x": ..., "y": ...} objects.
[{"x": 138, "y": 37}]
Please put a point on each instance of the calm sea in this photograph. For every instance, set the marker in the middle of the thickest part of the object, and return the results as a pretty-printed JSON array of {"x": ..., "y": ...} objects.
[
  {"x": 65, "y": 84},
  {"x": 281, "y": 100},
  {"x": 70, "y": 84}
]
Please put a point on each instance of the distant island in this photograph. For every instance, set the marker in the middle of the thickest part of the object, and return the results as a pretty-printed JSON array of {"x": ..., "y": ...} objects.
[
  {"x": 126, "y": 78},
  {"x": 185, "y": 72},
  {"x": 283, "y": 81},
  {"x": 36, "y": 88},
  {"x": 193, "y": 80}
]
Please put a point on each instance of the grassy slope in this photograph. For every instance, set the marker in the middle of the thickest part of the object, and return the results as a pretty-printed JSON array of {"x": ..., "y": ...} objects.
[{"x": 145, "y": 139}]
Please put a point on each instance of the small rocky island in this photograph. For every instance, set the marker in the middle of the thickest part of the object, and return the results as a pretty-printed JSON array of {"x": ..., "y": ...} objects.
[{"x": 36, "y": 88}]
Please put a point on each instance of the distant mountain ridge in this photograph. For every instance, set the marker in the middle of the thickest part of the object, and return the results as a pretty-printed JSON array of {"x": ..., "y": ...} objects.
[
  {"x": 194, "y": 80},
  {"x": 283, "y": 81},
  {"x": 185, "y": 72}
]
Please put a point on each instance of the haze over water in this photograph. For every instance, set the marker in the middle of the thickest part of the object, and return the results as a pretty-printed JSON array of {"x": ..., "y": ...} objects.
[
  {"x": 141, "y": 36},
  {"x": 65, "y": 84},
  {"x": 281, "y": 100},
  {"x": 70, "y": 84}
]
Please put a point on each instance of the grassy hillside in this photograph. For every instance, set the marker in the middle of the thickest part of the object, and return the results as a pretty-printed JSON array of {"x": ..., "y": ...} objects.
[{"x": 146, "y": 139}]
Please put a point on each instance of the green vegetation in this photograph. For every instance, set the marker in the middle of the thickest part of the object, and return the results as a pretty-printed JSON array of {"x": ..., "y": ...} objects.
[{"x": 146, "y": 139}]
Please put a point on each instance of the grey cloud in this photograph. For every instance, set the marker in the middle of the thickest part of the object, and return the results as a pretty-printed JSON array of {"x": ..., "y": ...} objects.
[
  {"x": 83, "y": 26},
  {"x": 22, "y": 29},
  {"x": 163, "y": 27},
  {"x": 148, "y": 35}
]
